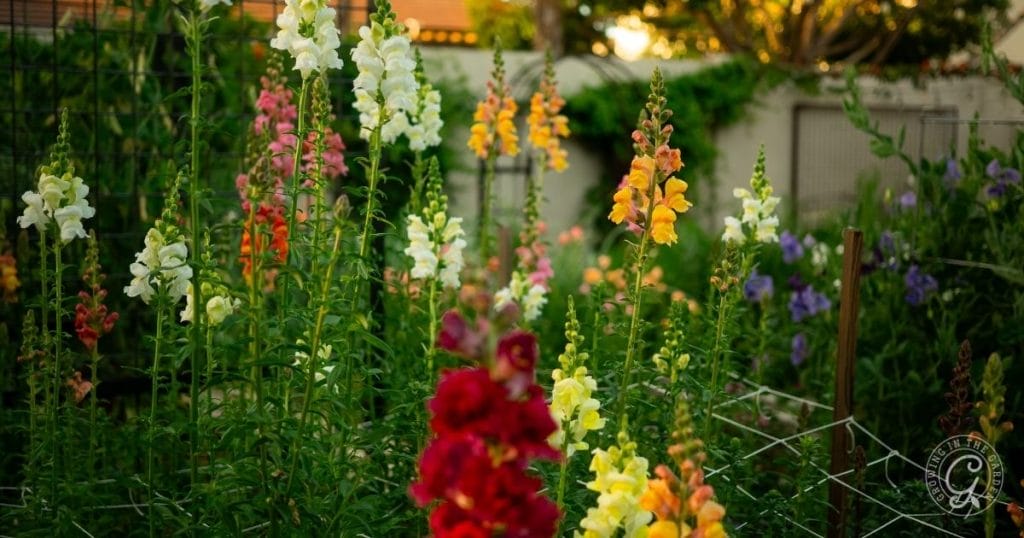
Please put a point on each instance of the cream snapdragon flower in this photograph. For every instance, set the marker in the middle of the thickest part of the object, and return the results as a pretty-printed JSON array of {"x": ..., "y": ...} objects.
[
  {"x": 425, "y": 119},
  {"x": 574, "y": 409},
  {"x": 218, "y": 307},
  {"x": 530, "y": 297},
  {"x": 160, "y": 263},
  {"x": 385, "y": 88},
  {"x": 436, "y": 241},
  {"x": 60, "y": 199},
  {"x": 323, "y": 357},
  {"x": 308, "y": 33},
  {"x": 620, "y": 478}
]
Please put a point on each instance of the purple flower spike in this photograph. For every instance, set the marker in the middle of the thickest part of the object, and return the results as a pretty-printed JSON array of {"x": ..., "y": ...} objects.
[
  {"x": 920, "y": 286},
  {"x": 952, "y": 176},
  {"x": 908, "y": 200},
  {"x": 1003, "y": 178},
  {"x": 800, "y": 350},
  {"x": 792, "y": 251},
  {"x": 758, "y": 288},
  {"x": 806, "y": 302}
]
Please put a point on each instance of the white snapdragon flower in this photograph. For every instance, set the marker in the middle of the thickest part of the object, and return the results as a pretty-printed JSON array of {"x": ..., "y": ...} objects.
[
  {"x": 207, "y": 5},
  {"x": 308, "y": 33},
  {"x": 425, "y": 130},
  {"x": 758, "y": 211},
  {"x": 386, "y": 88},
  {"x": 439, "y": 243},
  {"x": 61, "y": 199},
  {"x": 733, "y": 230},
  {"x": 162, "y": 264},
  {"x": 421, "y": 248},
  {"x": 520, "y": 290},
  {"x": 35, "y": 211}
]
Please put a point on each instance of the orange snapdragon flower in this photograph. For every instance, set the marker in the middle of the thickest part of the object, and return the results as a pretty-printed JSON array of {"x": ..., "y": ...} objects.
[
  {"x": 9, "y": 282},
  {"x": 546, "y": 123},
  {"x": 632, "y": 200},
  {"x": 494, "y": 126}
]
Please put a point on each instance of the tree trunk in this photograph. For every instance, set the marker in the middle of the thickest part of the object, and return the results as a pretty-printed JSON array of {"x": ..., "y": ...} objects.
[{"x": 548, "y": 34}]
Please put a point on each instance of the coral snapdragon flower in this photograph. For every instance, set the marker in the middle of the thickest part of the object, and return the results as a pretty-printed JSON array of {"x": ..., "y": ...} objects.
[{"x": 278, "y": 240}]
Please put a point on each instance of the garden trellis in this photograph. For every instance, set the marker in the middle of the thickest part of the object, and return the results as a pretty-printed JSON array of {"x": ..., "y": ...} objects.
[{"x": 926, "y": 522}]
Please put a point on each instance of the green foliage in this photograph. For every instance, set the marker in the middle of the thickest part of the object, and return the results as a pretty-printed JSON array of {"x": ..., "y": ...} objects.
[{"x": 510, "y": 21}]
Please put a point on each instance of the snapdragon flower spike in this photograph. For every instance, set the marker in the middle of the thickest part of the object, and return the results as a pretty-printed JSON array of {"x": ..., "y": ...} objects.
[
  {"x": 308, "y": 33},
  {"x": 385, "y": 87},
  {"x": 546, "y": 122},
  {"x": 683, "y": 505},
  {"x": 528, "y": 286},
  {"x": 274, "y": 142},
  {"x": 9, "y": 282},
  {"x": 494, "y": 127},
  {"x": 489, "y": 422},
  {"x": 649, "y": 196},
  {"x": 573, "y": 406},
  {"x": 60, "y": 196},
  {"x": 163, "y": 263},
  {"x": 758, "y": 222},
  {"x": 620, "y": 479},
  {"x": 92, "y": 319},
  {"x": 425, "y": 118},
  {"x": 436, "y": 240}
]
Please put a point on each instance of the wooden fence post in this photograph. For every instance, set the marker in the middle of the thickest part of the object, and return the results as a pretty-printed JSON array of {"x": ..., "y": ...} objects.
[{"x": 853, "y": 243}]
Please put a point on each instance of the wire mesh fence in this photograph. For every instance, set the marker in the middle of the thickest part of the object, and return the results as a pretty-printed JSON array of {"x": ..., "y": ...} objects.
[{"x": 121, "y": 70}]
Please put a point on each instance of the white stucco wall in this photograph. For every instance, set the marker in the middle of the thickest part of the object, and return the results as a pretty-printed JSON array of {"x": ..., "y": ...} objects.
[{"x": 769, "y": 121}]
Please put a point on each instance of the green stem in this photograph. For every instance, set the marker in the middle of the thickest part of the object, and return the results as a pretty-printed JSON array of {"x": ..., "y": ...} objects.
[
  {"x": 300, "y": 137},
  {"x": 92, "y": 411},
  {"x": 419, "y": 176},
  {"x": 634, "y": 324},
  {"x": 58, "y": 342},
  {"x": 371, "y": 195},
  {"x": 485, "y": 208},
  {"x": 314, "y": 354},
  {"x": 715, "y": 364},
  {"x": 432, "y": 335},
  {"x": 209, "y": 396},
  {"x": 48, "y": 399},
  {"x": 198, "y": 309},
  {"x": 154, "y": 375},
  {"x": 256, "y": 349},
  {"x": 563, "y": 473}
]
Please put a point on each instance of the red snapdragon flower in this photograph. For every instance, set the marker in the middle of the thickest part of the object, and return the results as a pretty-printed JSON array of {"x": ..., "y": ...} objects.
[{"x": 489, "y": 422}]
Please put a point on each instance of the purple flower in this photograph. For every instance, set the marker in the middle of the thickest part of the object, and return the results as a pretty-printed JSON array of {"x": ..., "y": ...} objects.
[
  {"x": 919, "y": 285},
  {"x": 810, "y": 241},
  {"x": 805, "y": 302},
  {"x": 800, "y": 351},
  {"x": 758, "y": 288},
  {"x": 1003, "y": 178},
  {"x": 791, "y": 248},
  {"x": 952, "y": 176},
  {"x": 908, "y": 200}
]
